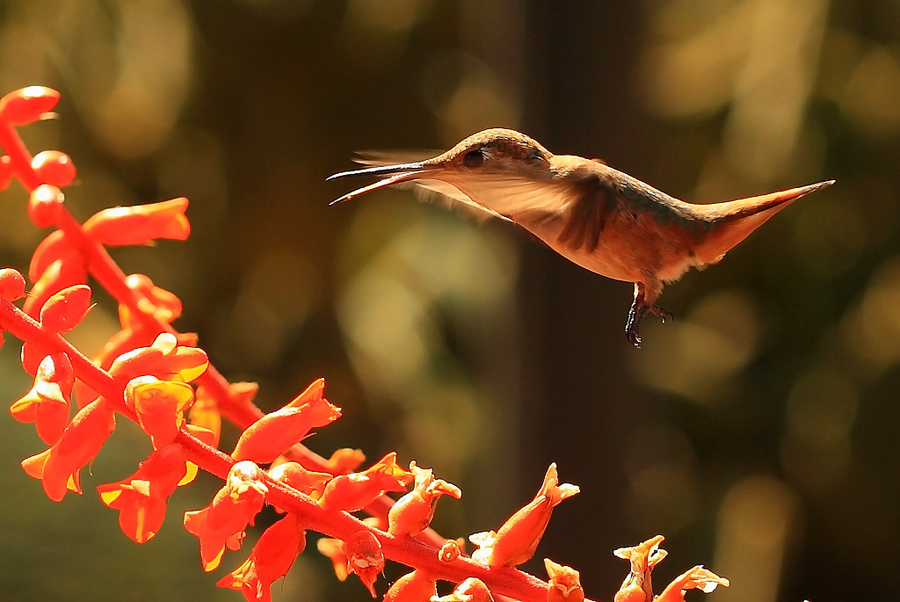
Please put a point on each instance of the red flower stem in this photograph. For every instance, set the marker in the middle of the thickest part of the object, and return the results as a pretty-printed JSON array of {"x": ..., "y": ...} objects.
[
  {"x": 26, "y": 328},
  {"x": 19, "y": 157},
  {"x": 112, "y": 278},
  {"x": 408, "y": 551}
]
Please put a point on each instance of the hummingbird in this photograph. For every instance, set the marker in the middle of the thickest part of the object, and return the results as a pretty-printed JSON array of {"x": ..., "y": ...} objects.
[{"x": 601, "y": 219}]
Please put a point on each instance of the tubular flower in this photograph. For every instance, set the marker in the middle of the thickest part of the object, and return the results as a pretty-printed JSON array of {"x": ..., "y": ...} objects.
[
  {"x": 59, "y": 467},
  {"x": 205, "y": 414},
  {"x": 234, "y": 506},
  {"x": 696, "y": 578},
  {"x": 64, "y": 310},
  {"x": 141, "y": 498},
  {"x": 47, "y": 403},
  {"x": 58, "y": 275},
  {"x": 364, "y": 558},
  {"x": 165, "y": 359},
  {"x": 518, "y": 538},
  {"x": 637, "y": 586},
  {"x": 412, "y": 513},
  {"x": 354, "y": 491},
  {"x": 159, "y": 405},
  {"x": 165, "y": 305},
  {"x": 271, "y": 558},
  {"x": 333, "y": 549},
  {"x": 305, "y": 481},
  {"x": 345, "y": 460},
  {"x": 278, "y": 431},
  {"x": 55, "y": 247},
  {"x": 565, "y": 583},
  {"x": 470, "y": 590},
  {"x": 140, "y": 224},
  {"x": 417, "y": 586}
]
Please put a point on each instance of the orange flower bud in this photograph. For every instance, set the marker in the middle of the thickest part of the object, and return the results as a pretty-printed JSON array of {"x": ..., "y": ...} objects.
[
  {"x": 165, "y": 359},
  {"x": 450, "y": 551},
  {"x": 159, "y": 405},
  {"x": 417, "y": 586},
  {"x": 364, "y": 558},
  {"x": 141, "y": 498},
  {"x": 470, "y": 590},
  {"x": 354, "y": 491},
  {"x": 140, "y": 224},
  {"x": 695, "y": 578},
  {"x": 412, "y": 513},
  {"x": 27, "y": 104},
  {"x": 638, "y": 586},
  {"x": 59, "y": 467},
  {"x": 165, "y": 306},
  {"x": 234, "y": 506},
  {"x": 565, "y": 583},
  {"x": 278, "y": 431},
  {"x": 271, "y": 558},
  {"x": 56, "y": 246},
  {"x": 518, "y": 538},
  {"x": 12, "y": 284},
  {"x": 44, "y": 204},
  {"x": 66, "y": 309},
  {"x": 345, "y": 460},
  {"x": 53, "y": 167},
  {"x": 47, "y": 403},
  {"x": 59, "y": 274},
  {"x": 333, "y": 549}
]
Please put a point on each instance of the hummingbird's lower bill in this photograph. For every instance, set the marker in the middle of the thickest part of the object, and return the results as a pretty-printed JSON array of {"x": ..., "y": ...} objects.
[{"x": 593, "y": 215}]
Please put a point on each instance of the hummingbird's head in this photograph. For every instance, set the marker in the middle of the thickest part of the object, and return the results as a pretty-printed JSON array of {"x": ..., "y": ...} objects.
[{"x": 491, "y": 154}]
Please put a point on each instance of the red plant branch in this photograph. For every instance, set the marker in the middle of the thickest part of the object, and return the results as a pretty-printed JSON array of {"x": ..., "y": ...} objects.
[{"x": 150, "y": 386}]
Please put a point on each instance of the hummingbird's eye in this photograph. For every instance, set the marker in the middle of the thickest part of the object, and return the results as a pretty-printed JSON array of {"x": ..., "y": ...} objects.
[{"x": 473, "y": 158}]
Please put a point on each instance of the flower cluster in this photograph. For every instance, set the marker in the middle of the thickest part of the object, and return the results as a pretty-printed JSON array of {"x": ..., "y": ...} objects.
[{"x": 160, "y": 379}]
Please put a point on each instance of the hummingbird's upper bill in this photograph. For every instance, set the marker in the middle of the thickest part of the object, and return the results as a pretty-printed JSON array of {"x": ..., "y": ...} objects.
[{"x": 401, "y": 172}]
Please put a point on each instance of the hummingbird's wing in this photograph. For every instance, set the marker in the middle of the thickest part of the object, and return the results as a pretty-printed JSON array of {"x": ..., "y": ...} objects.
[{"x": 432, "y": 191}]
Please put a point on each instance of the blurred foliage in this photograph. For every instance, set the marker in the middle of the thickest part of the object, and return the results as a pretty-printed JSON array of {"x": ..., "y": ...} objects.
[{"x": 758, "y": 431}]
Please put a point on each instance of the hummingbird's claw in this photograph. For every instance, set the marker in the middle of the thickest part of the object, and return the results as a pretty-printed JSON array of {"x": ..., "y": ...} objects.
[{"x": 636, "y": 314}]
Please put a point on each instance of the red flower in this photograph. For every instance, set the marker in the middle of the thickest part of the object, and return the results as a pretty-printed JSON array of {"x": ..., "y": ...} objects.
[
  {"x": 234, "y": 506},
  {"x": 141, "y": 498},
  {"x": 518, "y": 538},
  {"x": 637, "y": 586},
  {"x": 354, "y": 491},
  {"x": 470, "y": 590},
  {"x": 417, "y": 586},
  {"x": 565, "y": 583},
  {"x": 271, "y": 559},
  {"x": 140, "y": 224},
  {"x": 345, "y": 460},
  {"x": 159, "y": 405},
  {"x": 278, "y": 431},
  {"x": 695, "y": 578},
  {"x": 364, "y": 558},
  {"x": 412, "y": 513},
  {"x": 47, "y": 403},
  {"x": 305, "y": 481},
  {"x": 165, "y": 359},
  {"x": 59, "y": 467}
]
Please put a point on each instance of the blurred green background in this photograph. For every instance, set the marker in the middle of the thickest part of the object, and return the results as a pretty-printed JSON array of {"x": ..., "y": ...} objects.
[{"x": 760, "y": 432}]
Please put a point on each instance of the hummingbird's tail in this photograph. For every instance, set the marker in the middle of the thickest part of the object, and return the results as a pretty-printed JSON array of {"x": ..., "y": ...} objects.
[{"x": 733, "y": 221}]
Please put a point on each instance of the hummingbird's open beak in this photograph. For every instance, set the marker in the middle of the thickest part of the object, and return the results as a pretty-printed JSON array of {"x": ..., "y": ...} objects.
[{"x": 402, "y": 172}]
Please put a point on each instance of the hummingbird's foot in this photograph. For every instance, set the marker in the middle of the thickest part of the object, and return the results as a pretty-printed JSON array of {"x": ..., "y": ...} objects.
[{"x": 636, "y": 314}]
